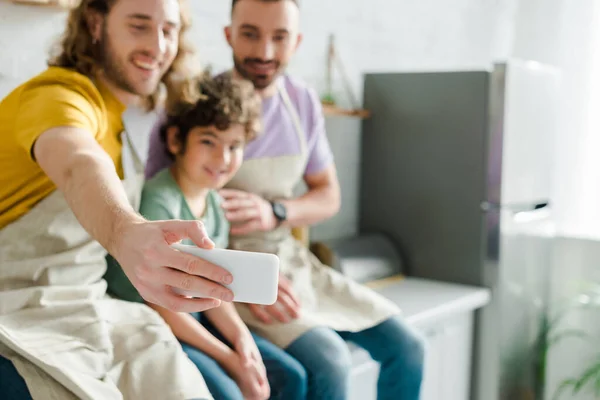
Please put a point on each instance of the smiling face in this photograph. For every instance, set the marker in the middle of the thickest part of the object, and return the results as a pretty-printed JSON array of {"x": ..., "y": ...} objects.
[
  {"x": 210, "y": 157},
  {"x": 138, "y": 42},
  {"x": 263, "y": 35}
]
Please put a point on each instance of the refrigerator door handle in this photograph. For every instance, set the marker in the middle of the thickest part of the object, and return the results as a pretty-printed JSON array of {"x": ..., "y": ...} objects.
[{"x": 515, "y": 208}]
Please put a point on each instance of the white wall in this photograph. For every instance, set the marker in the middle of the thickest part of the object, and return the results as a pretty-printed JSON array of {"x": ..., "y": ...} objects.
[
  {"x": 371, "y": 35},
  {"x": 566, "y": 33}
]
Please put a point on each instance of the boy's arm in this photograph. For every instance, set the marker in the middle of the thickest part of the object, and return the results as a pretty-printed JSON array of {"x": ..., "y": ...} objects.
[
  {"x": 187, "y": 329},
  {"x": 227, "y": 321}
]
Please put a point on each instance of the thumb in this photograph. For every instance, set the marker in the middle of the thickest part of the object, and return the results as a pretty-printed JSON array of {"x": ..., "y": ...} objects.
[{"x": 177, "y": 230}]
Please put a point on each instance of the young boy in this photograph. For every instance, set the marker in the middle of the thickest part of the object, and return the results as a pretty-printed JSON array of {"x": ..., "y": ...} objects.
[{"x": 206, "y": 141}]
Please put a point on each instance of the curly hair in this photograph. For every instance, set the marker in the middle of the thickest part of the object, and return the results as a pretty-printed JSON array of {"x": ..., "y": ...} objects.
[
  {"x": 77, "y": 50},
  {"x": 219, "y": 101}
]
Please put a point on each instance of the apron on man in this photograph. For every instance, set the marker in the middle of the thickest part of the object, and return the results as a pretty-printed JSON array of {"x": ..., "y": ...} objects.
[
  {"x": 328, "y": 298},
  {"x": 64, "y": 335}
]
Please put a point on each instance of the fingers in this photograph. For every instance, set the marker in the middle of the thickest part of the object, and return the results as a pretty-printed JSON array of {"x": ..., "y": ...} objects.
[
  {"x": 193, "y": 265},
  {"x": 246, "y": 357},
  {"x": 200, "y": 287},
  {"x": 290, "y": 306},
  {"x": 232, "y": 194},
  {"x": 260, "y": 313},
  {"x": 174, "y": 302},
  {"x": 285, "y": 288},
  {"x": 242, "y": 214},
  {"x": 238, "y": 202},
  {"x": 254, "y": 383},
  {"x": 248, "y": 227},
  {"x": 262, "y": 370},
  {"x": 176, "y": 230},
  {"x": 267, "y": 390},
  {"x": 277, "y": 313},
  {"x": 259, "y": 381}
]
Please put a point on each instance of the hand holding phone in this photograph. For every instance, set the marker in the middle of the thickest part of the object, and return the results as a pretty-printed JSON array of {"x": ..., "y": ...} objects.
[{"x": 255, "y": 275}]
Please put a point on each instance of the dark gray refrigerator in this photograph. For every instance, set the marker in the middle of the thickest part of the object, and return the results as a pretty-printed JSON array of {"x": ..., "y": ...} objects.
[{"x": 457, "y": 171}]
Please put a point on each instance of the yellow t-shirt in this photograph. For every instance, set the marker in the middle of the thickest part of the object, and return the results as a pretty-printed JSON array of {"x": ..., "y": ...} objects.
[{"x": 56, "y": 97}]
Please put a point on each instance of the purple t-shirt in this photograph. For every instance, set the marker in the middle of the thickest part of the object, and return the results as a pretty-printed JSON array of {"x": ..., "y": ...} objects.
[{"x": 278, "y": 137}]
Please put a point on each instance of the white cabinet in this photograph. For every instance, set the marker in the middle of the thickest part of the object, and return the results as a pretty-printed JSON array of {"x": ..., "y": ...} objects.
[
  {"x": 444, "y": 314},
  {"x": 448, "y": 359}
]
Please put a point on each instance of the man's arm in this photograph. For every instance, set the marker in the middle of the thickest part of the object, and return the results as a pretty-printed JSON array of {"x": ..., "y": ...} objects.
[
  {"x": 86, "y": 175},
  {"x": 320, "y": 202}
]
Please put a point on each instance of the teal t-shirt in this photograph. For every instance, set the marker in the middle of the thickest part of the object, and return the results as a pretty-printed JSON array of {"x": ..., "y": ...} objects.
[{"x": 162, "y": 199}]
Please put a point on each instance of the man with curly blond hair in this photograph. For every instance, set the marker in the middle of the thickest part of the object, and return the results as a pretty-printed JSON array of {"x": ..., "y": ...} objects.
[{"x": 66, "y": 200}]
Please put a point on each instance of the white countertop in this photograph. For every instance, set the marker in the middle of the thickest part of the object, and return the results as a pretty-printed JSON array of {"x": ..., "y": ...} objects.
[{"x": 423, "y": 301}]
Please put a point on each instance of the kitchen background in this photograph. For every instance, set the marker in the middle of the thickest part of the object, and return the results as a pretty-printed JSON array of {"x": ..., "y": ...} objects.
[{"x": 428, "y": 35}]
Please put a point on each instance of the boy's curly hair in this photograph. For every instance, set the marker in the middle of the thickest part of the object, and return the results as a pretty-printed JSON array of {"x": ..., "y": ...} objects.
[{"x": 219, "y": 101}]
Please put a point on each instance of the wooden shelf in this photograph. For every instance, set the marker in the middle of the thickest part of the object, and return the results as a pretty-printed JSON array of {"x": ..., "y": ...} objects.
[{"x": 333, "y": 110}]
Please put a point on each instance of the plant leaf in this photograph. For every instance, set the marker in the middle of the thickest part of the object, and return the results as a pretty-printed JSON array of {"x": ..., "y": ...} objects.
[
  {"x": 592, "y": 372},
  {"x": 565, "y": 334},
  {"x": 564, "y": 386}
]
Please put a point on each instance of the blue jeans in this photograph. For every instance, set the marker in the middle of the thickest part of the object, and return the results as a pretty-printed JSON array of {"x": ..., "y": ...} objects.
[
  {"x": 12, "y": 385},
  {"x": 327, "y": 359},
  {"x": 287, "y": 378}
]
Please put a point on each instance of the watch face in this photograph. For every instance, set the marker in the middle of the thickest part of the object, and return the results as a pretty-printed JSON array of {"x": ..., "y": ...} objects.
[{"x": 279, "y": 211}]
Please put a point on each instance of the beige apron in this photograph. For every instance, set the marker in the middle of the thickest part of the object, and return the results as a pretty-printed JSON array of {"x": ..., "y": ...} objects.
[
  {"x": 327, "y": 297},
  {"x": 65, "y": 336}
]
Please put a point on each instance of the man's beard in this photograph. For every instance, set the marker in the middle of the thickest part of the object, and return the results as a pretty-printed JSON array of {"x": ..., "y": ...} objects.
[
  {"x": 259, "y": 81},
  {"x": 114, "y": 70}
]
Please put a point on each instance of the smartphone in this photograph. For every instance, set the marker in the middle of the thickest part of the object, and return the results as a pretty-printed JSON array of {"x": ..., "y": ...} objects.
[{"x": 255, "y": 275}]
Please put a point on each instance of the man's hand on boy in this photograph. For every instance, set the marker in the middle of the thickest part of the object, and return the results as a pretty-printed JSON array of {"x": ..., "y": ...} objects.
[
  {"x": 247, "y": 212},
  {"x": 286, "y": 308}
]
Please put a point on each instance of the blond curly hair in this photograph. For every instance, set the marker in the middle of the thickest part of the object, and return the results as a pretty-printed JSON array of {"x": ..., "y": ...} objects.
[{"x": 77, "y": 50}]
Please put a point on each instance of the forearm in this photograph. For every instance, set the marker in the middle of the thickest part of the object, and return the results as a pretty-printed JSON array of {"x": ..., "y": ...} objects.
[
  {"x": 187, "y": 329},
  {"x": 227, "y": 321},
  {"x": 97, "y": 197},
  {"x": 316, "y": 205},
  {"x": 86, "y": 175}
]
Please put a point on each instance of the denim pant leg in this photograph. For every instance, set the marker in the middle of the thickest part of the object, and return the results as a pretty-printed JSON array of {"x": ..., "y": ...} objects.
[
  {"x": 328, "y": 362},
  {"x": 400, "y": 352},
  {"x": 287, "y": 377},
  {"x": 12, "y": 385},
  {"x": 220, "y": 385}
]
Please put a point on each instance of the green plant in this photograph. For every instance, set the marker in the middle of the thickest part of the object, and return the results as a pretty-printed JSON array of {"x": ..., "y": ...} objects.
[
  {"x": 589, "y": 377},
  {"x": 550, "y": 336}
]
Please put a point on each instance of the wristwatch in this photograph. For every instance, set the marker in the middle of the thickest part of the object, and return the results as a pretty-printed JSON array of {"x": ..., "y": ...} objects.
[{"x": 279, "y": 211}]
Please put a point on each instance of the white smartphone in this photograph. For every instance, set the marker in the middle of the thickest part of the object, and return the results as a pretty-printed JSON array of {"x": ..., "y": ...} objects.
[{"x": 255, "y": 275}]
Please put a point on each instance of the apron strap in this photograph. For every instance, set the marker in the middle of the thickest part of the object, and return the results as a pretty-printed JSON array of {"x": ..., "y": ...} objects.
[
  {"x": 138, "y": 164},
  {"x": 295, "y": 117}
]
